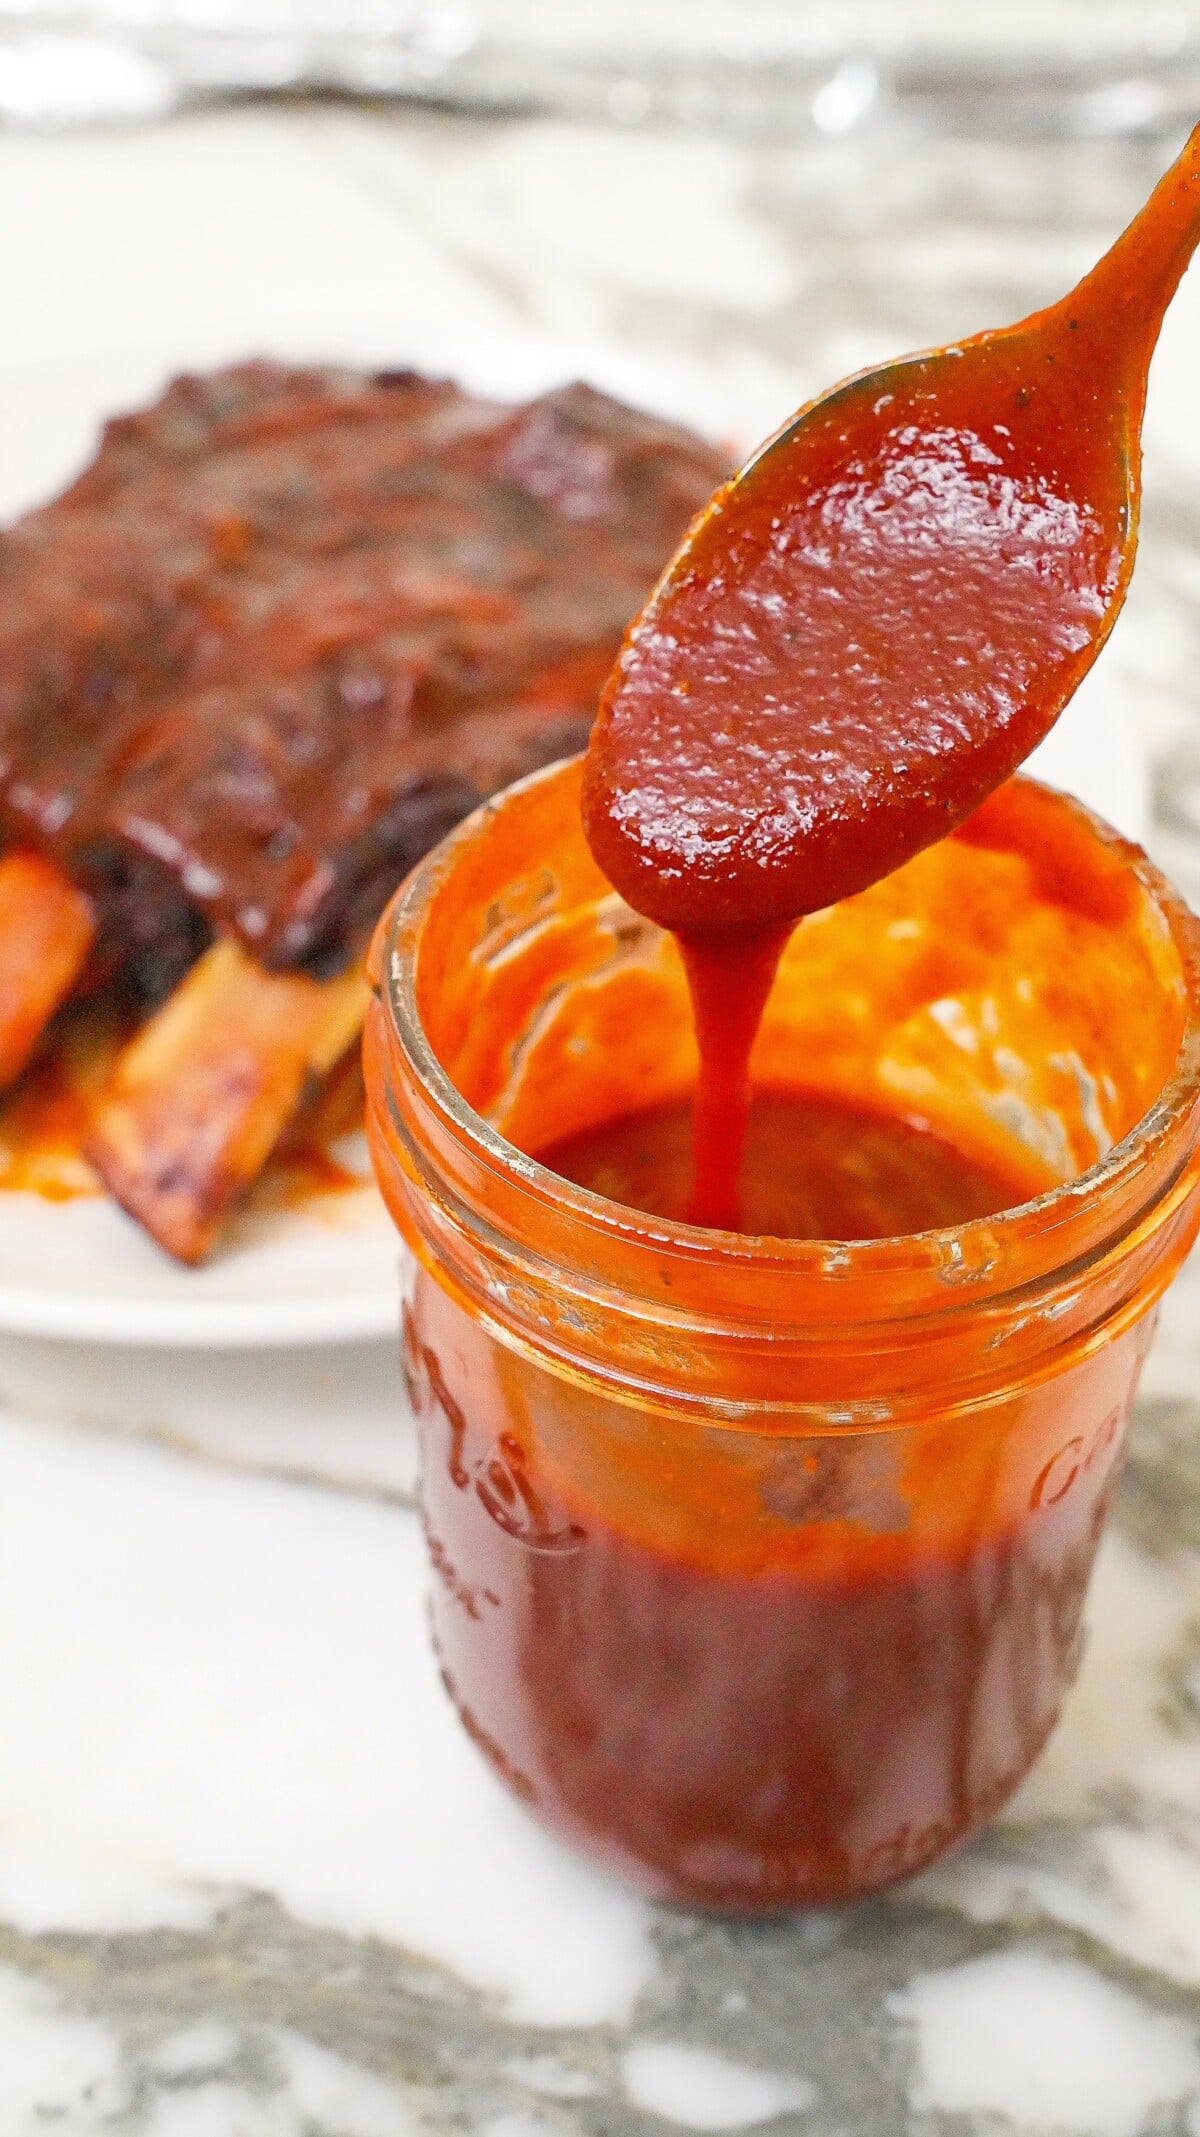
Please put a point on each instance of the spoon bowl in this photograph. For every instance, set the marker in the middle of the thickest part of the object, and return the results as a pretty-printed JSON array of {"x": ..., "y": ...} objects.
[{"x": 877, "y": 619}]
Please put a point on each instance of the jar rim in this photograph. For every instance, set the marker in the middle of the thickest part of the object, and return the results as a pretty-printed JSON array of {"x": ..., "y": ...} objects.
[{"x": 982, "y": 1246}]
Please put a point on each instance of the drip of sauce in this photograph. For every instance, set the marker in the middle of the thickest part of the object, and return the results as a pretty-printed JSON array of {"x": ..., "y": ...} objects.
[{"x": 868, "y": 631}]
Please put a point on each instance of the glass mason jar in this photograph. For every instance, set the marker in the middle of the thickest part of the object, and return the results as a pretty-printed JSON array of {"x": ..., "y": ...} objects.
[{"x": 759, "y": 1564}]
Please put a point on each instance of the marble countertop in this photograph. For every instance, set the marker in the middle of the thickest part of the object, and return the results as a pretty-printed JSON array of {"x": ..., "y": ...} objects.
[{"x": 253, "y": 1882}]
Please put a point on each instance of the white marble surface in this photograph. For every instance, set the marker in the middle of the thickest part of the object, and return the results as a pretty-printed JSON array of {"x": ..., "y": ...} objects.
[{"x": 252, "y": 1880}]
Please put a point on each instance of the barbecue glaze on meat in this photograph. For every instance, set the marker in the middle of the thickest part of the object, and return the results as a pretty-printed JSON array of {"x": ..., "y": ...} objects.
[{"x": 292, "y": 624}]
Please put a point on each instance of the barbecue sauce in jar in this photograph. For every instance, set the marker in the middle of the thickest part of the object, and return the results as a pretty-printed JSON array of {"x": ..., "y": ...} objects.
[
  {"x": 763, "y": 1471},
  {"x": 758, "y": 1561}
]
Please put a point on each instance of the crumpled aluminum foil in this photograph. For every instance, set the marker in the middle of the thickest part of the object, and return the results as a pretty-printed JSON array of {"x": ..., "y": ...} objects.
[{"x": 761, "y": 67}]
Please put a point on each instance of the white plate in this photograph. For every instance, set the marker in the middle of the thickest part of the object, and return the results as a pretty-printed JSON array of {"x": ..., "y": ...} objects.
[
  {"x": 319, "y": 1272},
  {"x": 326, "y": 1271}
]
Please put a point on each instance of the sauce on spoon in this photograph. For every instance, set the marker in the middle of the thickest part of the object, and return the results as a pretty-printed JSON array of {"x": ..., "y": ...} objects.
[{"x": 867, "y": 631}]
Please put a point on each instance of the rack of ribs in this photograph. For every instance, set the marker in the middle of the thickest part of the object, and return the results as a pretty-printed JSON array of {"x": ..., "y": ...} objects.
[{"x": 286, "y": 630}]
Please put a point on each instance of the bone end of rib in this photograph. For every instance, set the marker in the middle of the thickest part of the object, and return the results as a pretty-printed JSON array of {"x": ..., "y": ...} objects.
[{"x": 199, "y": 1099}]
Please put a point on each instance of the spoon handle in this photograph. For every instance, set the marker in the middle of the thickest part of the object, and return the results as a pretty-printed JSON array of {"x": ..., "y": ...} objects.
[{"x": 1128, "y": 291}]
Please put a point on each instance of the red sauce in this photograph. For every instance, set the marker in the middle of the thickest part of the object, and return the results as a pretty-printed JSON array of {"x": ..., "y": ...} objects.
[
  {"x": 755, "y": 1706},
  {"x": 750, "y": 1685},
  {"x": 869, "y": 630},
  {"x": 760, "y": 1714},
  {"x": 814, "y": 1167}
]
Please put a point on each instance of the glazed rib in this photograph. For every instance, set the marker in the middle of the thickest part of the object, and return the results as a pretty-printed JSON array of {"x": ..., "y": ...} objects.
[
  {"x": 293, "y": 624},
  {"x": 201, "y": 1096},
  {"x": 288, "y": 628},
  {"x": 46, "y": 934}
]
